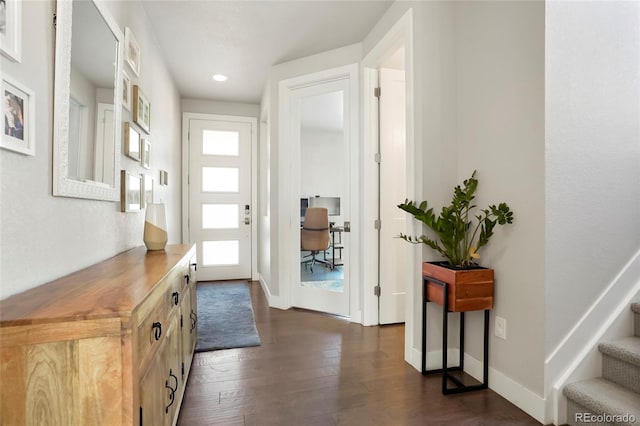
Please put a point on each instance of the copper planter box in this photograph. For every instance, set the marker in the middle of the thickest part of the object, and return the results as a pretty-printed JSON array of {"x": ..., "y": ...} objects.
[{"x": 468, "y": 289}]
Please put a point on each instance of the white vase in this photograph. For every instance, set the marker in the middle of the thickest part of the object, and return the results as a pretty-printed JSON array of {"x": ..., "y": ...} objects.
[{"x": 155, "y": 227}]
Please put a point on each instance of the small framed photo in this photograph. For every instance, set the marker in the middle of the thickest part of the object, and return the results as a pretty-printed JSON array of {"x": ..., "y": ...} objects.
[
  {"x": 164, "y": 178},
  {"x": 141, "y": 109},
  {"x": 126, "y": 91},
  {"x": 131, "y": 142},
  {"x": 147, "y": 190},
  {"x": 146, "y": 153},
  {"x": 130, "y": 192},
  {"x": 131, "y": 51},
  {"x": 18, "y": 111},
  {"x": 11, "y": 29}
]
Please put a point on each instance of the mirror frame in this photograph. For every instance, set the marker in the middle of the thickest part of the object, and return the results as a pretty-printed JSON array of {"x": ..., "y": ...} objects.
[{"x": 63, "y": 186}]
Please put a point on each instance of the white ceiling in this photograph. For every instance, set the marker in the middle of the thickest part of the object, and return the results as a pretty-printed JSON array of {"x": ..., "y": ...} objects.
[{"x": 243, "y": 39}]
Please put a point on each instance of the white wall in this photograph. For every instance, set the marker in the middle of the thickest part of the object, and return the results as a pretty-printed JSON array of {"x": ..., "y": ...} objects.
[
  {"x": 44, "y": 237},
  {"x": 479, "y": 104},
  {"x": 592, "y": 154},
  {"x": 223, "y": 108},
  {"x": 592, "y": 188},
  {"x": 500, "y": 132}
]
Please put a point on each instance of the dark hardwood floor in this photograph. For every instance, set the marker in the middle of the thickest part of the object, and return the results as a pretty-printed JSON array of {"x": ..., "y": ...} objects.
[{"x": 315, "y": 369}]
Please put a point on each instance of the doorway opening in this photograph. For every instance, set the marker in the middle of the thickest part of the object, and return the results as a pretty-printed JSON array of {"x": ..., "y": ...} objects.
[
  {"x": 392, "y": 186},
  {"x": 385, "y": 261},
  {"x": 319, "y": 119}
]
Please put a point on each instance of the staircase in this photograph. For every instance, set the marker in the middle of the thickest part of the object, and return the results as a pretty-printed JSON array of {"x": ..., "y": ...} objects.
[{"x": 614, "y": 398}]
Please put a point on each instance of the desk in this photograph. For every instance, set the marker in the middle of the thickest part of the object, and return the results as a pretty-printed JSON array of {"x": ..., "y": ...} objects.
[
  {"x": 336, "y": 244},
  {"x": 460, "y": 387}
]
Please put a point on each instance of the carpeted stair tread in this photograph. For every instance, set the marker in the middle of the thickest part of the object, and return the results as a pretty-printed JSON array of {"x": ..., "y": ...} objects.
[
  {"x": 627, "y": 349},
  {"x": 601, "y": 396}
]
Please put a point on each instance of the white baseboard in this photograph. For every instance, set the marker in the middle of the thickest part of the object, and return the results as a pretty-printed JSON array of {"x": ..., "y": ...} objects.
[
  {"x": 520, "y": 396},
  {"x": 274, "y": 301},
  {"x": 523, "y": 398}
]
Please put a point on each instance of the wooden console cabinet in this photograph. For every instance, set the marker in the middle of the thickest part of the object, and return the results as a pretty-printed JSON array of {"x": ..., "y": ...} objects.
[{"x": 111, "y": 344}]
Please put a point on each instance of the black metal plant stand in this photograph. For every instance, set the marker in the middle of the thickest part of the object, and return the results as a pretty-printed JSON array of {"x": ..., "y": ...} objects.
[{"x": 445, "y": 371}]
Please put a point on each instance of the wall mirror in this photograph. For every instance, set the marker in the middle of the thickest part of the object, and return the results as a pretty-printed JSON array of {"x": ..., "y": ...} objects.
[{"x": 88, "y": 102}]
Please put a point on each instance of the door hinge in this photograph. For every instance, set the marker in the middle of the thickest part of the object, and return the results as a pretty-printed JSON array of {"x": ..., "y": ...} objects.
[
  {"x": 183, "y": 370},
  {"x": 55, "y": 21},
  {"x": 376, "y": 290},
  {"x": 376, "y": 92},
  {"x": 181, "y": 322},
  {"x": 377, "y": 224},
  {"x": 377, "y": 157}
]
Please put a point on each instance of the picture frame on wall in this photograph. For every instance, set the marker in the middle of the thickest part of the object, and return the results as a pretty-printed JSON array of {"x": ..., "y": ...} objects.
[
  {"x": 18, "y": 112},
  {"x": 141, "y": 109},
  {"x": 126, "y": 91},
  {"x": 164, "y": 178},
  {"x": 146, "y": 153},
  {"x": 130, "y": 192},
  {"x": 131, "y": 51},
  {"x": 11, "y": 29},
  {"x": 131, "y": 142},
  {"x": 147, "y": 190}
]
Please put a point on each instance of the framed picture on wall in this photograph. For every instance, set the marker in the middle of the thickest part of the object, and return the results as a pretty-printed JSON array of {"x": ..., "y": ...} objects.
[
  {"x": 131, "y": 142},
  {"x": 130, "y": 192},
  {"x": 18, "y": 113},
  {"x": 141, "y": 109},
  {"x": 131, "y": 51},
  {"x": 147, "y": 190},
  {"x": 11, "y": 29},
  {"x": 126, "y": 91},
  {"x": 146, "y": 153},
  {"x": 164, "y": 178}
]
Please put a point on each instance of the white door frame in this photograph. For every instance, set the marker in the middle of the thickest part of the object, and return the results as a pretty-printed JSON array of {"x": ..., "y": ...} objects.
[
  {"x": 253, "y": 121},
  {"x": 400, "y": 34},
  {"x": 289, "y": 175}
]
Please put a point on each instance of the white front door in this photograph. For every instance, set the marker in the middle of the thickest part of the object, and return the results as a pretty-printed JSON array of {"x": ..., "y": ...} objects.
[
  {"x": 393, "y": 251},
  {"x": 220, "y": 197}
]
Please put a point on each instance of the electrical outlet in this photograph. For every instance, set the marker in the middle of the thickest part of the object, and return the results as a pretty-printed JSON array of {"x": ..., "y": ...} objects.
[{"x": 501, "y": 328}]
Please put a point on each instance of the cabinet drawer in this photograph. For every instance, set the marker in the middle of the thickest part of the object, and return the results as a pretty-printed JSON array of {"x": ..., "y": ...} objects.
[
  {"x": 155, "y": 313},
  {"x": 152, "y": 325},
  {"x": 178, "y": 286}
]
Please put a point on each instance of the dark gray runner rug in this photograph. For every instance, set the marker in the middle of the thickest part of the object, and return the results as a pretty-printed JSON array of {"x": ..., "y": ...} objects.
[{"x": 225, "y": 317}]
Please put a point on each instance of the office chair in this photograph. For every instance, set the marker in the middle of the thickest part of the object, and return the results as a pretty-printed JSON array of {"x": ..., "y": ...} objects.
[{"x": 314, "y": 235}]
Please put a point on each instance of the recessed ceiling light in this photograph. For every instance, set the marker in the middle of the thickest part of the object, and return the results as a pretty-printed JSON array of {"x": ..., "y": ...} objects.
[{"x": 219, "y": 77}]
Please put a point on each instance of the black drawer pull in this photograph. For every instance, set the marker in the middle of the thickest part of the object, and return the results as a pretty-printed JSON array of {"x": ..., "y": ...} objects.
[
  {"x": 157, "y": 330},
  {"x": 194, "y": 320},
  {"x": 172, "y": 394},
  {"x": 176, "y": 297},
  {"x": 186, "y": 278}
]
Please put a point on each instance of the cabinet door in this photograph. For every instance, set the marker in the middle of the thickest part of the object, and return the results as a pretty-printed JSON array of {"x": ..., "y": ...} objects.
[
  {"x": 159, "y": 386},
  {"x": 189, "y": 327},
  {"x": 174, "y": 362}
]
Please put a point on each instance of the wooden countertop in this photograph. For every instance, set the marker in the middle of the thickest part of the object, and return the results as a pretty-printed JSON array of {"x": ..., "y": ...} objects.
[{"x": 112, "y": 288}]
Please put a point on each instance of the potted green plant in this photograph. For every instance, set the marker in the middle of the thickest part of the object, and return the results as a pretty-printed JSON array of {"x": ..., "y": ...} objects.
[{"x": 458, "y": 239}]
